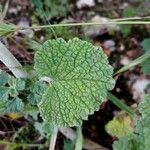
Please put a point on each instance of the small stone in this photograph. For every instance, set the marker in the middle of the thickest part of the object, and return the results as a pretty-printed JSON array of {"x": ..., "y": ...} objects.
[
  {"x": 125, "y": 60},
  {"x": 110, "y": 45},
  {"x": 25, "y": 23},
  {"x": 132, "y": 53},
  {"x": 100, "y": 1},
  {"x": 83, "y": 3},
  {"x": 99, "y": 29},
  {"x": 121, "y": 47},
  {"x": 139, "y": 87}
]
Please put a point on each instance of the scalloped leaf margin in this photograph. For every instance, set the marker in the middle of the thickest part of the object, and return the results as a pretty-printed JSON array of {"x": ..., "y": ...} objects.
[{"x": 81, "y": 76}]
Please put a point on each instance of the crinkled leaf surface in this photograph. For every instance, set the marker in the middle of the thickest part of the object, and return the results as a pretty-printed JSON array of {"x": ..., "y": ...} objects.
[
  {"x": 36, "y": 92},
  {"x": 144, "y": 106},
  {"x": 4, "y": 91},
  {"x": 45, "y": 129},
  {"x": 81, "y": 77},
  {"x": 140, "y": 139},
  {"x": 17, "y": 83},
  {"x": 15, "y": 105},
  {"x": 9, "y": 92},
  {"x": 3, "y": 78},
  {"x": 125, "y": 143}
]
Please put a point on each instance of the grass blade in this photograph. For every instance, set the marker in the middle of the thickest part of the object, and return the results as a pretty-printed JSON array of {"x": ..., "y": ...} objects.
[
  {"x": 120, "y": 104},
  {"x": 135, "y": 62}
]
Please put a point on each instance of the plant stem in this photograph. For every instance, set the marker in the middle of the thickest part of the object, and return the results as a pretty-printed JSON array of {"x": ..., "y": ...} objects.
[
  {"x": 79, "y": 140},
  {"x": 131, "y": 18},
  {"x": 11, "y": 62},
  {"x": 87, "y": 144},
  {"x": 53, "y": 139},
  {"x": 88, "y": 24},
  {"x": 69, "y": 133},
  {"x": 119, "y": 21}
]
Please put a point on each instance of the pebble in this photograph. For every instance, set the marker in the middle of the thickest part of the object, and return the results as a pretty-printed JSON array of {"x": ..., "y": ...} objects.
[
  {"x": 110, "y": 45},
  {"x": 125, "y": 60},
  {"x": 83, "y": 3},
  {"x": 139, "y": 87}
]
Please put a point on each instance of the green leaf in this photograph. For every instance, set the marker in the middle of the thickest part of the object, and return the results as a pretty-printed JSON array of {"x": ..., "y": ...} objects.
[
  {"x": 46, "y": 9},
  {"x": 81, "y": 77},
  {"x": 3, "y": 98},
  {"x": 20, "y": 84},
  {"x": 140, "y": 139},
  {"x": 34, "y": 98},
  {"x": 146, "y": 45},
  {"x": 13, "y": 92},
  {"x": 120, "y": 126},
  {"x": 38, "y": 4},
  {"x": 16, "y": 85},
  {"x": 146, "y": 64},
  {"x": 36, "y": 92},
  {"x": 126, "y": 143},
  {"x": 3, "y": 78},
  {"x": 3, "y": 105},
  {"x": 15, "y": 105},
  {"x": 9, "y": 91},
  {"x": 4, "y": 93},
  {"x": 128, "y": 12},
  {"x": 45, "y": 129},
  {"x": 144, "y": 106}
]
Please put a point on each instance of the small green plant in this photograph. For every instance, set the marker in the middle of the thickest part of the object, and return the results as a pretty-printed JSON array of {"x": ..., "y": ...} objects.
[
  {"x": 71, "y": 80},
  {"x": 139, "y": 140},
  {"x": 50, "y": 8}
]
